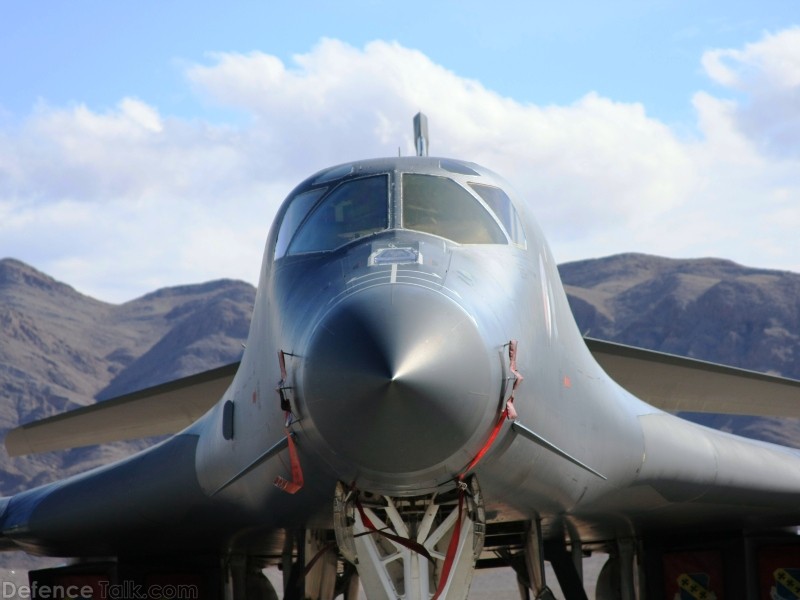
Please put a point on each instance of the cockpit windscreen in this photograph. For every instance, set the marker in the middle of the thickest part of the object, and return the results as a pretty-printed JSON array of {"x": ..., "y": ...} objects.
[
  {"x": 327, "y": 217},
  {"x": 356, "y": 208},
  {"x": 440, "y": 206},
  {"x": 502, "y": 206}
]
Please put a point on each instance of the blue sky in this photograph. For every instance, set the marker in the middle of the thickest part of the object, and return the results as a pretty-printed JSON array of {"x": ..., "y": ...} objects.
[
  {"x": 149, "y": 144},
  {"x": 97, "y": 52}
]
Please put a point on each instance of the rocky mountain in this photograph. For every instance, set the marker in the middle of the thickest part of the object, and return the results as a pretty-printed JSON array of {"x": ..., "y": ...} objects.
[
  {"x": 60, "y": 349},
  {"x": 708, "y": 308}
]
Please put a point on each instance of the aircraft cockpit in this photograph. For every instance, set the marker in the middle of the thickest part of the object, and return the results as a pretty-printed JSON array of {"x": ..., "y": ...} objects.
[{"x": 440, "y": 197}]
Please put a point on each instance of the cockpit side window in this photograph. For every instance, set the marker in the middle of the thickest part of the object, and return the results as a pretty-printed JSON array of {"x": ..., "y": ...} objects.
[
  {"x": 295, "y": 213},
  {"x": 440, "y": 206},
  {"x": 502, "y": 206},
  {"x": 354, "y": 209}
]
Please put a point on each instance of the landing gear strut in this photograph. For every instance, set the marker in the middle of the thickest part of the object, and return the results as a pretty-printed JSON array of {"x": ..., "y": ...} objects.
[
  {"x": 567, "y": 565},
  {"x": 415, "y": 548},
  {"x": 311, "y": 568}
]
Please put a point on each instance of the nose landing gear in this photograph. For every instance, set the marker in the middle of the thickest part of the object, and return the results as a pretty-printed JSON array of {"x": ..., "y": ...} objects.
[{"x": 415, "y": 548}]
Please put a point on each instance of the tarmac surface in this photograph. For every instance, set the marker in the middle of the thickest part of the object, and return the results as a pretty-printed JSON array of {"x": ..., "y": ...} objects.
[{"x": 501, "y": 584}]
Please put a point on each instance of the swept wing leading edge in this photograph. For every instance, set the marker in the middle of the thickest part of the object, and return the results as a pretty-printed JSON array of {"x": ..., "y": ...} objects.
[
  {"x": 160, "y": 410},
  {"x": 676, "y": 384}
]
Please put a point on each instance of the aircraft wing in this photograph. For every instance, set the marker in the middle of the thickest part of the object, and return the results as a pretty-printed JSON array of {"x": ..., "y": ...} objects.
[
  {"x": 674, "y": 383},
  {"x": 669, "y": 382},
  {"x": 158, "y": 410}
]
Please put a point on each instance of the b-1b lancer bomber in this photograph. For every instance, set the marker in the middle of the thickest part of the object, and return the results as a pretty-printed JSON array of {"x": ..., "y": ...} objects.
[{"x": 415, "y": 401}]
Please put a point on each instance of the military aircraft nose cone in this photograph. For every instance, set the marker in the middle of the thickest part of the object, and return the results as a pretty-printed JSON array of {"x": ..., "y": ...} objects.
[{"x": 397, "y": 379}]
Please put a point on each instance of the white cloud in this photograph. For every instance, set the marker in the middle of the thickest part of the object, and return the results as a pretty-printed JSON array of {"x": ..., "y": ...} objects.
[
  {"x": 773, "y": 61},
  {"x": 338, "y": 103},
  {"x": 142, "y": 115},
  {"x": 122, "y": 201},
  {"x": 768, "y": 73},
  {"x": 106, "y": 200}
]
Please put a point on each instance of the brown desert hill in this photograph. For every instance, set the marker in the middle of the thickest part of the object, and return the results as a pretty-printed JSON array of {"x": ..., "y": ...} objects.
[
  {"x": 709, "y": 309},
  {"x": 60, "y": 349},
  {"x": 206, "y": 326}
]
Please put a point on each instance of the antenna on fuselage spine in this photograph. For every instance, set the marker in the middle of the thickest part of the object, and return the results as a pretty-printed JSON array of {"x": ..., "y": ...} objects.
[{"x": 421, "y": 134}]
